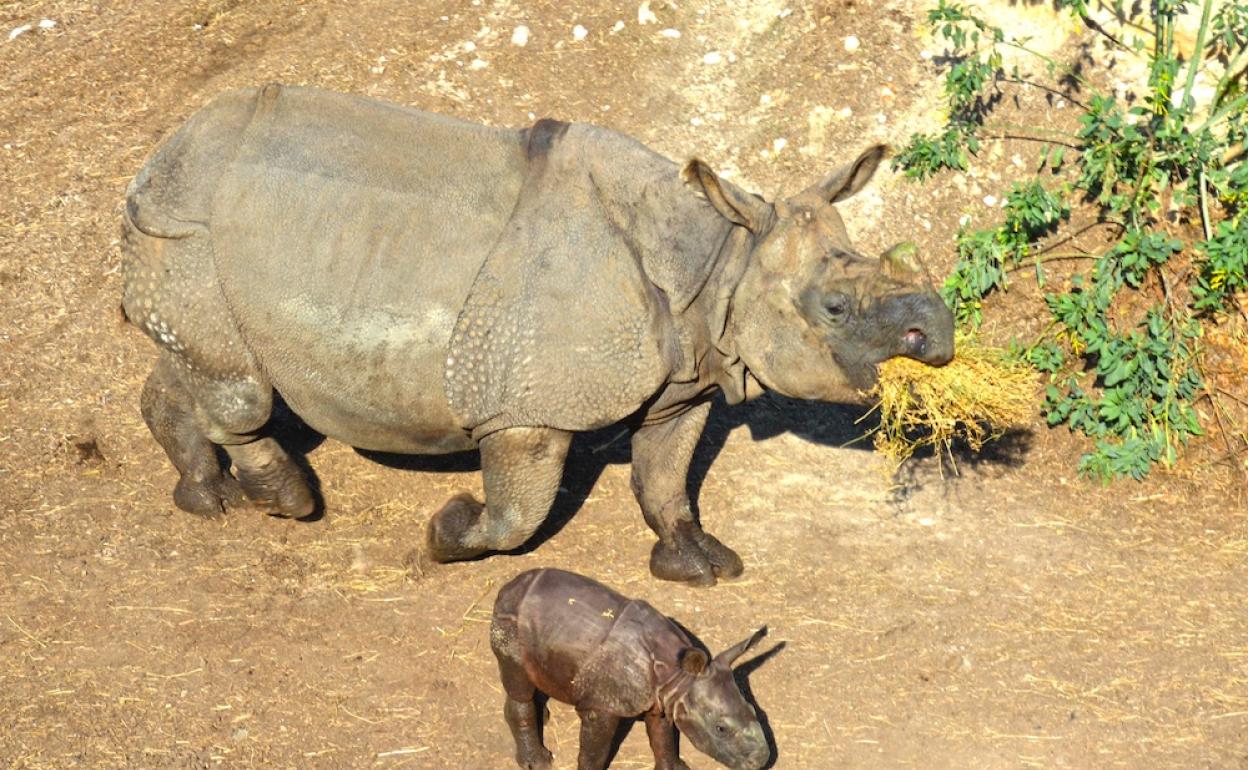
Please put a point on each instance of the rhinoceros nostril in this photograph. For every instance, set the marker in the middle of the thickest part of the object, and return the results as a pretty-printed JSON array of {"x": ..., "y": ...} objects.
[{"x": 915, "y": 340}]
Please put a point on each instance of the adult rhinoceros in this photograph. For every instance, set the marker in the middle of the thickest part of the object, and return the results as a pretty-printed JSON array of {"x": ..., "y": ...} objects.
[{"x": 412, "y": 283}]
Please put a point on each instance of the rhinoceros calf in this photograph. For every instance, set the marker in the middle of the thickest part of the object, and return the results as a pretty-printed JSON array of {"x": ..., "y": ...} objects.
[
  {"x": 412, "y": 283},
  {"x": 612, "y": 657}
]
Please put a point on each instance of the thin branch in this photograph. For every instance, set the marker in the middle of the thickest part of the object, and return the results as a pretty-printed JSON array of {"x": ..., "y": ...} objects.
[
  {"x": 1121, "y": 228},
  {"x": 1204, "y": 207},
  {"x": 1043, "y": 87},
  {"x": 1096, "y": 27},
  {"x": 1233, "y": 397},
  {"x": 1064, "y": 257}
]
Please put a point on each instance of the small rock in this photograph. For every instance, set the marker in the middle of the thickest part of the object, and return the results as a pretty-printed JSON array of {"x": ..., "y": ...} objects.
[
  {"x": 881, "y": 118},
  {"x": 478, "y": 64},
  {"x": 18, "y": 31},
  {"x": 779, "y": 144},
  {"x": 712, "y": 57},
  {"x": 520, "y": 36},
  {"x": 851, "y": 43},
  {"x": 46, "y": 24},
  {"x": 844, "y": 112},
  {"x": 670, "y": 33},
  {"x": 619, "y": 25},
  {"x": 645, "y": 15},
  {"x": 925, "y": 55},
  {"x": 696, "y": 121},
  {"x": 964, "y": 220},
  {"x": 990, "y": 200},
  {"x": 470, "y": 46},
  {"x": 579, "y": 33},
  {"x": 887, "y": 93}
]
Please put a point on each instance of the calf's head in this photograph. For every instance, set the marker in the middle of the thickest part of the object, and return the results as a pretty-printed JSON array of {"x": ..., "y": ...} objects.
[
  {"x": 714, "y": 715},
  {"x": 811, "y": 317}
]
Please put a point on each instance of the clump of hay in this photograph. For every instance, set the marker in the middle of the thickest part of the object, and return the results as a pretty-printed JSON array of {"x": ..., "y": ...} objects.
[{"x": 975, "y": 398}]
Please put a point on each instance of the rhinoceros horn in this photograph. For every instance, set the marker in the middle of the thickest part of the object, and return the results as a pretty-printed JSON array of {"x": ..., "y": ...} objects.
[
  {"x": 901, "y": 261},
  {"x": 729, "y": 656}
]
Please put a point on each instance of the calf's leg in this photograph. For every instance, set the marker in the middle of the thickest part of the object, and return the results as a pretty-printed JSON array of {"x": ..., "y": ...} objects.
[
  {"x": 597, "y": 732},
  {"x": 662, "y": 735}
]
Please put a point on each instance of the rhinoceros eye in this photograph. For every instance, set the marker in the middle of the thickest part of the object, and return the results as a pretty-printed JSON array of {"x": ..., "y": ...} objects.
[{"x": 836, "y": 306}]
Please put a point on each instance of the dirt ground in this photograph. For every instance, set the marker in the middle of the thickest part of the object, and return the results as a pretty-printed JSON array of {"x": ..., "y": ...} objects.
[{"x": 1012, "y": 616}]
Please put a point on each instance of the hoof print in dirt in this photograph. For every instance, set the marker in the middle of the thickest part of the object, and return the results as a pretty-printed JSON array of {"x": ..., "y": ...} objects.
[
  {"x": 498, "y": 289},
  {"x": 616, "y": 658}
]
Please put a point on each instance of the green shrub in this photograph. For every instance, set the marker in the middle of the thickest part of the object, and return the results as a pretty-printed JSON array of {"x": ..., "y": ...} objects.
[{"x": 1122, "y": 350}]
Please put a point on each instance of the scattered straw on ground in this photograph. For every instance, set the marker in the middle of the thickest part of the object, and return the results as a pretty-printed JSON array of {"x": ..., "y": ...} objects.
[{"x": 974, "y": 398}]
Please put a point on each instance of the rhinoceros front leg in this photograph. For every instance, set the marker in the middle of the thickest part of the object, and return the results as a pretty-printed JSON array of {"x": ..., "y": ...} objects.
[
  {"x": 597, "y": 733},
  {"x": 521, "y": 469},
  {"x": 662, "y": 735},
  {"x": 661, "y": 456}
]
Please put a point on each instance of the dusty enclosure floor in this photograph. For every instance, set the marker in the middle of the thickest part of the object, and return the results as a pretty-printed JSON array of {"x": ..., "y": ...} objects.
[{"x": 1012, "y": 617}]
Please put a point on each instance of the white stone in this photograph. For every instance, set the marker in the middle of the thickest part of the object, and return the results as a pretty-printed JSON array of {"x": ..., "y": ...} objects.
[
  {"x": 990, "y": 200},
  {"x": 579, "y": 33},
  {"x": 645, "y": 15},
  {"x": 520, "y": 36},
  {"x": 670, "y": 33},
  {"x": 46, "y": 24},
  {"x": 851, "y": 43},
  {"x": 779, "y": 144},
  {"x": 478, "y": 64},
  {"x": 712, "y": 57},
  {"x": 619, "y": 25},
  {"x": 22, "y": 30}
]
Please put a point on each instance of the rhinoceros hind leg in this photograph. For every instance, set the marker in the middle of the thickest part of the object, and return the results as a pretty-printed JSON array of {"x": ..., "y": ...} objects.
[
  {"x": 271, "y": 479},
  {"x": 520, "y": 710},
  {"x": 444, "y": 537},
  {"x": 167, "y": 408},
  {"x": 521, "y": 469}
]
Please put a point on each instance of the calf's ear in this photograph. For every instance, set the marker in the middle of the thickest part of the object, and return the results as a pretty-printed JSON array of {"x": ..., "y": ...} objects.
[
  {"x": 693, "y": 660},
  {"x": 730, "y": 655},
  {"x": 735, "y": 204},
  {"x": 846, "y": 180}
]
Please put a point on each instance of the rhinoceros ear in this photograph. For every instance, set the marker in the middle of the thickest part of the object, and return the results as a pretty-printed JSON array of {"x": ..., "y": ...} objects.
[
  {"x": 848, "y": 179},
  {"x": 735, "y": 204},
  {"x": 729, "y": 656},
  {"x": 693, "y": 661}
]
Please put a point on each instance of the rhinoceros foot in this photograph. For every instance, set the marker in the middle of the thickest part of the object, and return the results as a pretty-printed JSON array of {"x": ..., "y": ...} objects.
[
  {"x": 207, "y": 497},
  {"x": 539, "y": 758},
  {"x": 447, "y": 528},
  {"x": 692, "y": 556},
  {"x": 271, "y": 480}
]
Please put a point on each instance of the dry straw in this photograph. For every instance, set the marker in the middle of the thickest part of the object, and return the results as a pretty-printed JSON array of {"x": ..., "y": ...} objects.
[{"x": 975, "y": 398}]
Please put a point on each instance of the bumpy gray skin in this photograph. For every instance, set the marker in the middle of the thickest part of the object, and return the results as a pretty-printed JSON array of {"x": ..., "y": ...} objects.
[
  {"x": 412, "y": 283},
  {"x": 613, "y": 658}
]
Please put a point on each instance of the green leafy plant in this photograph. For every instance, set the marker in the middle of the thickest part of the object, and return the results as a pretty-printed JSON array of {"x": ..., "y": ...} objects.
[{"x": 1164, "y": 176}]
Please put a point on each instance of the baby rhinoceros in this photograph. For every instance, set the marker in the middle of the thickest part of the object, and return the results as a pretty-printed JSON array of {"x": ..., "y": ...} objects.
[{"x": 613, "y": 657}]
